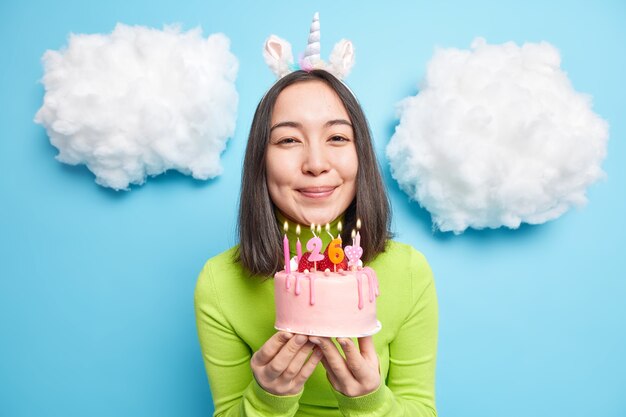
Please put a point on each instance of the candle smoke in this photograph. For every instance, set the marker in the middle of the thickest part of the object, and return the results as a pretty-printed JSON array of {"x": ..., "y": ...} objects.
[
  {"x": 140, "y": 101},
  {"x": 495, "y": 137}
]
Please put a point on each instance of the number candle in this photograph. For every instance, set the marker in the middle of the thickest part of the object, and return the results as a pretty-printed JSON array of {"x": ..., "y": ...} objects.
[
  {"x": 315, "y": 245},
  {"x": 286, "y": 249},
  {"x": 335, "y": 253},
  {"x": 355, "y": 251}
]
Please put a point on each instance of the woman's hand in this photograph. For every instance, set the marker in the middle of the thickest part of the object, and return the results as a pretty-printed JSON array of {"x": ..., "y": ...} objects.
[
  {"x": 280, "y": 366},
  {"x": 358, "y": 373}
]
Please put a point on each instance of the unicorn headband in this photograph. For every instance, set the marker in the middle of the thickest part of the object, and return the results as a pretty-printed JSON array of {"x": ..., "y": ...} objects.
[{"x": 278, "y": 56}]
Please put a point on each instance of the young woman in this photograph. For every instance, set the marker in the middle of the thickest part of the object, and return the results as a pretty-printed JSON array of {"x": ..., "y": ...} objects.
[{"x": 309, "y": 159}]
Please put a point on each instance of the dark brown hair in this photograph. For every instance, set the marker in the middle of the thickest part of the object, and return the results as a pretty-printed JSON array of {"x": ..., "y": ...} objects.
[{"x": 260, "y": 237}]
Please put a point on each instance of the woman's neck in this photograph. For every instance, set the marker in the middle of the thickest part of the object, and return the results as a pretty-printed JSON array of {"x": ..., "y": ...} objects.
[{"x": 305, "y": 232}]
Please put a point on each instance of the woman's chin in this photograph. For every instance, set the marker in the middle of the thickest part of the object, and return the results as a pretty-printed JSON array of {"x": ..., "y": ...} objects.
[
  {"x": 319, "y": 218},
  {"x": 306, "y": 216}
]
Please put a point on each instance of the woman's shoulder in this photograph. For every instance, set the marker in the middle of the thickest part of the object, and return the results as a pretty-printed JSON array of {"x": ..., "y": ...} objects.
[
  {"x": 220, "y": 265},
  {"x": 403, "y": 254},
  {"x": 401, "y": 262},
  {"x": 225, "y": 286},
  {"x": 226, "y": 259}
]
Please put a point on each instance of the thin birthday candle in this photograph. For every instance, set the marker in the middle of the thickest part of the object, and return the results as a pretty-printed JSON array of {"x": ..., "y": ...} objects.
[
  {"x": 298, "y": 244},
  {"x": 319, "y": 232},
  {"x": 327, "y": 227},
  {"x": 354, "y": 252},
  {"x": 286, "y": 249},
  {"x": 339, "y": 230}
]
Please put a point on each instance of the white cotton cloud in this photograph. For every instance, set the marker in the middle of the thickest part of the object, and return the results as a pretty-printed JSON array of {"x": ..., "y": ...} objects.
[
  {"x": 495, "y": 137},
  {"x": 141, "y": 101}
]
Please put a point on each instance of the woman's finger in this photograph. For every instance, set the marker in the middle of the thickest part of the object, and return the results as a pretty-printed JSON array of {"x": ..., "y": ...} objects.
[
  {"x": 310, "y": 365},
  {"x": 296, "y": 364},
  {"x": 332, "y": 378},
  {"x": 283, "y": 358},
  {"x": 356, "y": 363},
  {"x": 270, "y": 348},
  {"x": 367, "y": 349},
  {"x": 336, "y": 362}
]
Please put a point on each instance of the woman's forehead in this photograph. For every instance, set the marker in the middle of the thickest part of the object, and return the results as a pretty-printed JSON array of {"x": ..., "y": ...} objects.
[{"x": 310, "y": 102}]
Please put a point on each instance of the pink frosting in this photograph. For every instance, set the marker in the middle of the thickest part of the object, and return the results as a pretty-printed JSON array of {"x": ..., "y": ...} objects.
[{"x": 333, "y": 304}]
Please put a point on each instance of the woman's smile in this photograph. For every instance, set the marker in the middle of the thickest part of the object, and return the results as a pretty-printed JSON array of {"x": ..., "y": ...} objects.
[{"x": 316, "y": 192}]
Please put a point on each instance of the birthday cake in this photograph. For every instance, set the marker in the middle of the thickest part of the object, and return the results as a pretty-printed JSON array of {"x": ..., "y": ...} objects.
[{"x": 323, "y": 295}]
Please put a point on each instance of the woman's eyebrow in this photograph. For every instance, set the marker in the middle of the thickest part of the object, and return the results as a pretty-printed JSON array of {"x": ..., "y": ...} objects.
[
  {"x": 337, "y": 122},
  {"x": 299, "y": 125},
  {"x": 286, "y": 124}
]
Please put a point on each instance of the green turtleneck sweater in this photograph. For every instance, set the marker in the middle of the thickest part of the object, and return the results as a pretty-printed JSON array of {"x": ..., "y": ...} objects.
[{"x": 235, "y": 317}]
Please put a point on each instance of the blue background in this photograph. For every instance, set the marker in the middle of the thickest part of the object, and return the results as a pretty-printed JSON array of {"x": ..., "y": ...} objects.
[{"x": 96, "y": 311}]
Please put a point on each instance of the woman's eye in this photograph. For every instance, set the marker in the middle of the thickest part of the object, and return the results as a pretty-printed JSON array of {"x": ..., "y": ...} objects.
[
  {"x": 286, "y": 141},
  {"x": 339, "y": 139}
]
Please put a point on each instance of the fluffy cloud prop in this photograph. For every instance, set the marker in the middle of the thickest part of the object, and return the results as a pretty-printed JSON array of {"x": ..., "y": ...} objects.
[
  {"x": 141, "y": 101},
  {"x": 495, "y": 137}
]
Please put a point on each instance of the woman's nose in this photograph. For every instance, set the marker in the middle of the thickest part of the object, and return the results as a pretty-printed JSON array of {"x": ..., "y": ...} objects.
[{"x": 316, "y": 161}]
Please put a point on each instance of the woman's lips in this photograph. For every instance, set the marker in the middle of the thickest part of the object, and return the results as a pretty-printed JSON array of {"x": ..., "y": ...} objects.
[{"x": 316, "y": 192}]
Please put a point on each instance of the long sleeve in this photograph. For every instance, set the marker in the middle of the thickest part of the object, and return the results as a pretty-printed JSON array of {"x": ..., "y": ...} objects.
[
  {"x": 410, "y": 384},
  {"x": 227, "y": 361}
]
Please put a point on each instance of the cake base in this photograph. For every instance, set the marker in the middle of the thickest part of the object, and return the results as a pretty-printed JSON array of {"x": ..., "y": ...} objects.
[{"x": 328, "y": 333}]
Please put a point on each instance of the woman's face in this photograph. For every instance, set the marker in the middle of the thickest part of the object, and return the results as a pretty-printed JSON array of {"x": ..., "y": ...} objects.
[{"x": 311, "y": 158}]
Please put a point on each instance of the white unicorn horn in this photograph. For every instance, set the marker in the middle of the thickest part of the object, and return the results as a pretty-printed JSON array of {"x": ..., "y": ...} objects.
[{"x": 313, "y": 48}]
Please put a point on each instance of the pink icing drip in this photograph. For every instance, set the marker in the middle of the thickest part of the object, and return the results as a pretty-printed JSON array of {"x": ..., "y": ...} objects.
[
  {"x": 297, "y": 291},
  {"x": 376, "y": 288},
  {"x": 359, "y": 281},
  {"x": 287, "y": 282},
  {"x": 311, "y": 289},
  {"x": 372, "y": 283}
]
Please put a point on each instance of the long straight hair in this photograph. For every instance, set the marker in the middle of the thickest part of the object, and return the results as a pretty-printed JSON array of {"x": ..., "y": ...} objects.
[{"x": 260, "y": 246}]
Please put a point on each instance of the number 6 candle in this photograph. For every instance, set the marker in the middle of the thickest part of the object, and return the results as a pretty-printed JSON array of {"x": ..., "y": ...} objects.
[{"x": 335, "y": 253}]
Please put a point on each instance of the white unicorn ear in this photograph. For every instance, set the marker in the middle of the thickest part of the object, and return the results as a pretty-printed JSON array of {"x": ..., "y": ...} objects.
[
  {"x": 278, "y": 56},
  {"x": 341, "y": 59}
]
